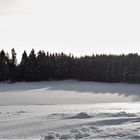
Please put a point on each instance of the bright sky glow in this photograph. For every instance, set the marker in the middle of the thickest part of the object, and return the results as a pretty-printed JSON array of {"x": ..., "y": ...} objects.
[{"x": 72, "y": 26}]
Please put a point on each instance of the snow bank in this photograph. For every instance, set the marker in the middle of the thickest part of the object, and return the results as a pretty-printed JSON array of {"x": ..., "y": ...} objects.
[
  {"x": 94, "y": 132},
  {"x": 82, "y": 115},
  {"x": 65, "y": 137},
  {"x": 117, "y": 114},
  {"x": 74, "y": 134},
  {"x": 120, "y": 133},
  {"x": 101, "y": 126},
  {"x": 56, "y": 136},
  {"x": 123, "y": 114}
]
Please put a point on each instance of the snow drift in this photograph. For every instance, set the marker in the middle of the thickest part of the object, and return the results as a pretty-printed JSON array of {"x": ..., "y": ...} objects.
[{"x": 69, "y": 110}]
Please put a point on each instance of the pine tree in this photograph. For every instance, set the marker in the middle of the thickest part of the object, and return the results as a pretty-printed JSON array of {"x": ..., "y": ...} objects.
[
  {"x": 13, "y": 67},
  {"x": 23, "y": 67},
  {"x": 32, "y": 67},
  {"x": 2, "y": 66}
]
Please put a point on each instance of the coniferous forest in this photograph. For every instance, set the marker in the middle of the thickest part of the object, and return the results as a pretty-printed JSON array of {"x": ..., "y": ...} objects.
[{"x": 53, "y": 66}]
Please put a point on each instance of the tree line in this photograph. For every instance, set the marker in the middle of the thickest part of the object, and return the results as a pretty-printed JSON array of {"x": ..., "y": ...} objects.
[{"x": 59, "y": 66}]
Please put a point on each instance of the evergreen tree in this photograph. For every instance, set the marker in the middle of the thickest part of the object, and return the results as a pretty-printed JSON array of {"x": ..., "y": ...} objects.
[
  {"x": 42, "y": 66},
  {"x": 23, "y": 67},
  {"x": 3, "y": 66},
  {"x": 13, "y": 67},
  {"x": 32, "y": 67}
]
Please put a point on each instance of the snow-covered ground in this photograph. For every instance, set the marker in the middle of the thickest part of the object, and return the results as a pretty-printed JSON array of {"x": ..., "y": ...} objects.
[{"x": 69, "y": 110}]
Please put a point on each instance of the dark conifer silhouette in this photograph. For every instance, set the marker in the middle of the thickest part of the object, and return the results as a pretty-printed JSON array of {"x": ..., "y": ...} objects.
[{"x": 59, "y": 66}]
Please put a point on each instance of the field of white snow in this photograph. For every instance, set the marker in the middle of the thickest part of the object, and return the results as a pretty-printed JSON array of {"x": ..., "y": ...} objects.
[{"x": 69, "y": 110}]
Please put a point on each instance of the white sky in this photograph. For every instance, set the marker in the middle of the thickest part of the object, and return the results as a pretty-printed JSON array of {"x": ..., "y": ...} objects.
[{"x": 76, "y": 26}]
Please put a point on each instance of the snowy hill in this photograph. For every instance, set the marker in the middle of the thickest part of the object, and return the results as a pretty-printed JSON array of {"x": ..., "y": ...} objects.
[
  {"x": 67, "y": 92},
  {"x": 69, "y": 110}
]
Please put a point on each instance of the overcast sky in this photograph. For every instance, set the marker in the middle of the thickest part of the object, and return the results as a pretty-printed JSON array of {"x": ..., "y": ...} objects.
[{"x": 76, "y": 26}]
